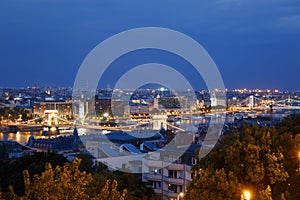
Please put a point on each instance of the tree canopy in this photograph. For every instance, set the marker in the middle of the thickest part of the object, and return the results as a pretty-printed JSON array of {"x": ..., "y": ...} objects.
[
  {"x": 262, "y": 160},
  {"x": 66, "y": 182},
  {"x": 51, "y": 176}
]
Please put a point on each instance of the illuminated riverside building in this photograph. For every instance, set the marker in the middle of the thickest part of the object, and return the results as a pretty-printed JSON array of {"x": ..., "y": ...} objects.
[
  {"x": 63, "y": 108},
  {"x": 60, "y": 143},
  {"x": 104, "y": 104},
  {"x": 139, "y": 110}
]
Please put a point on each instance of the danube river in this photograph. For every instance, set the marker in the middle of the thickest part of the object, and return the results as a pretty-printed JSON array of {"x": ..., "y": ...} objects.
[{"x": 22, "y": 137}]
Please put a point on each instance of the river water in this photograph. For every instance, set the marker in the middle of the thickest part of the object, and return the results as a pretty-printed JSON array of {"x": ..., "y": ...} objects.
[{"x": 22, "y": 137}]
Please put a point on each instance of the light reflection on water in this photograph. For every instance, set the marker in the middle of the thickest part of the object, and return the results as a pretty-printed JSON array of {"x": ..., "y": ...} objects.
[{"x": 22, "y": 137}]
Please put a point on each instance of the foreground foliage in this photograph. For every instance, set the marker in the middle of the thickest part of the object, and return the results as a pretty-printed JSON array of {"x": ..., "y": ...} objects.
[
  {"x": 51, "y": 176},
  {"x": 66, "y": 182},
  {"x": 259, "y": 159}
]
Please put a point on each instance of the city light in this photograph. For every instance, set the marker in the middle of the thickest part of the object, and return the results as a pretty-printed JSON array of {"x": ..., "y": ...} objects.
[
  {"x": 298, "y": 170},
  {"x": 180, "y": 195},
  {"x": 246, "y": 195},
  {"x": 53, "y": 129},
  {"x": 124, "y": 101}
]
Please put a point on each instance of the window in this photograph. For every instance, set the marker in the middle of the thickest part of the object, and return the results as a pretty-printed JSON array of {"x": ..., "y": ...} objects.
[
  {"x": 172, "y": 188},
  {"x": 123, "y": 166},
  {"x": 194, "y": 161},
  {"x": 155, "y": 170},
  {"x": 150, "y": 183},
  {"x": 180, "y": 188},
  {"x": 172, "y": 174},
  {"x": 154, "y": 184},
  {"x": 157, "y": 184},
  {"x": 181, "y": 174},
  {"x": 175, "y": 174},
  {"x": 173, "y": 158}
]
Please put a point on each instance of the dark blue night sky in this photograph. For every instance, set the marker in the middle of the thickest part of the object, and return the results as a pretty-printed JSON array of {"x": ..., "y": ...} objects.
[{"x": 255, "y": 44}]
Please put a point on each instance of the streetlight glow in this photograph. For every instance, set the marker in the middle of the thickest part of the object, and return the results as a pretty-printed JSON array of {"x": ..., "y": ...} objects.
[
  {"x": 246, "y": 195},
  {"x": 180, "y": 195}
]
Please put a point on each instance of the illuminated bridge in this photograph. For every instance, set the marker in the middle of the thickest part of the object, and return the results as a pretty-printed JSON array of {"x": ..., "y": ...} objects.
[{"x": 254, "y": 103}]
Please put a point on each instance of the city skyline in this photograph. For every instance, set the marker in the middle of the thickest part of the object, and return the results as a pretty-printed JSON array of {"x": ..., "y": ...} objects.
[
  {"x": 149, "y": 99},
  {"x": 254, "y": 44}
]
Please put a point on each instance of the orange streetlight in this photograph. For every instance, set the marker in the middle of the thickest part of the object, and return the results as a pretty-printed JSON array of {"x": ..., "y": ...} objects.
[
  {"x": 298, "y": 170},
  {"x": 246, "y": 195},
  {"x": 180, "y": 195}
]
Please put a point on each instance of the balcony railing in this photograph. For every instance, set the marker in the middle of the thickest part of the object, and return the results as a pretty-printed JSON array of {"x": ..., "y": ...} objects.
[
  {"x": 176, "y": 181},
  {"x": 157, "y": 190},
  {"x": 153, "y": 163},
  {"x": 171, "y": 194},
  {"x": 152, "y": 176}
]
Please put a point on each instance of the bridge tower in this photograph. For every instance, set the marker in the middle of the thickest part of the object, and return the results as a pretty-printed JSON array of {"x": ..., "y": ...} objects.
[
  {"x": 289, "y": 101},
  {"x": 50, "y": 116},
  {"x": 159, "y": 121},
  {"x": 251, "y": 102}
]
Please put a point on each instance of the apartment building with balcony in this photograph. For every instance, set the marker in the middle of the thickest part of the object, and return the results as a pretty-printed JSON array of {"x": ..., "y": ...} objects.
[{"x": 168, "y": 172}]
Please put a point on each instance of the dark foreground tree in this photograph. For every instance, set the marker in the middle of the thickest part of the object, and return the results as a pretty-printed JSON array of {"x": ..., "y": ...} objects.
[
  {"x": 61, "y": 178},
  {"x": 66, "y": 182},
  {"x": 11, "y": 171}
]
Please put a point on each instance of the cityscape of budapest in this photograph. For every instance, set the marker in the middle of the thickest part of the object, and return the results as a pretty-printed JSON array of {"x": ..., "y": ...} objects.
[{"x": 172, "y": 100}]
